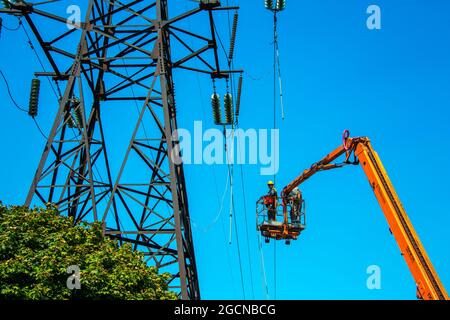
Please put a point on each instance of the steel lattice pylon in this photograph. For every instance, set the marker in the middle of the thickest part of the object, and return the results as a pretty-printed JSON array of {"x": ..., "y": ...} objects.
[{"x": 122, "y": 54}]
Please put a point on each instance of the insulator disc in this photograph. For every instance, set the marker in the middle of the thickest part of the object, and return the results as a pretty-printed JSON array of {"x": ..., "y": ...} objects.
[
  {"x": 215, "y": 102},
  {"x": 34, "y": 97},
  {"x": 281, "y": 5},
  {"x": 228, "y": 102},
  {"x": 269, "y": 4}
]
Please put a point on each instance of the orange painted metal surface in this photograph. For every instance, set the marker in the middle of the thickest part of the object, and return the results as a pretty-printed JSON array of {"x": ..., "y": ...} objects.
[{"x": 429, "y": 286}]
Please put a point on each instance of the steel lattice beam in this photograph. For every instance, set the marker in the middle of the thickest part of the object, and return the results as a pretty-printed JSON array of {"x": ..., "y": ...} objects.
[{"x": 124, "y": 54}]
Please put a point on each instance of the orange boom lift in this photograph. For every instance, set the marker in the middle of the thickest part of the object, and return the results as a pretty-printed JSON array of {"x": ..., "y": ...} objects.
[{"x": 429, "y": 287}]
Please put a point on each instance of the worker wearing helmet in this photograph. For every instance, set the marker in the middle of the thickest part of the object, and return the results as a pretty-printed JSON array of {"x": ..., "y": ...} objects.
[
  {"x": 271, "y": 200},
  {"x": 295, "y": 199}
]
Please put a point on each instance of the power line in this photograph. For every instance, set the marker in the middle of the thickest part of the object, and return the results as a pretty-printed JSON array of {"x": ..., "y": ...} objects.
[
  {"x": 233, "y": 89},
  {"x": 219, "y": 214},
  {"x": 18, "y": 106},
  {"x": 244, "y": 198},
  {"x": 231, "y": 173},
  {"x": 263, "y": 268},
  {"x": 40, "y": 62},
  {"x": 275, "y": 269},
  {"x": 232, "y": 212},
  {"x": 219, "y": 202},
  {"x": 220, "y": 41},
  {"x": 10, "y": 94},
  {"x": 2, "y": 26},
  {"x": 275, "y": 8},
  {"x": 233, "y": 216},
  {"x": 274, "y": 127},
  {"x": 39, "y": 128}
]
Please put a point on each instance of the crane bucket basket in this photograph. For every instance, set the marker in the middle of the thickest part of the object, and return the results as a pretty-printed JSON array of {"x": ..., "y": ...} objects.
[{"x": 280, "y": 222}]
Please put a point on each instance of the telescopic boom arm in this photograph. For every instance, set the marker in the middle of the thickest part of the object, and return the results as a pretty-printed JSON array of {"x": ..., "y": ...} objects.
[{"x": 429, "y": 287}]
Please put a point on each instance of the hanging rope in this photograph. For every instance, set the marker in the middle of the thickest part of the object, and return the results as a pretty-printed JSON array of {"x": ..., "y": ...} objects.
[
  {"x": 275, "y": 127},
  {"x": 277, "y": 65},
  {"x": 230, "y": 168},
  {"x": 244, "y": 199},
  {"x": 276, "y": 7},
  {"x": 219, "y": 202},
  {"x": 263, "y": 268},
  {"x": 219, "y": 214}
]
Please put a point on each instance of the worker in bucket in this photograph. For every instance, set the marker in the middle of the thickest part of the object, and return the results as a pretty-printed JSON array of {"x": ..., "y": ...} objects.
[
  {"x": 295, "y": 198},
  {"x": 271, "y": 201}
]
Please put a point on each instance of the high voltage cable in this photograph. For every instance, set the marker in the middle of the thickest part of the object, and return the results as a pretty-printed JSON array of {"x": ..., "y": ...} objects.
[
  {"x": 56, "y": 92},
  {"x": 10, "y": 94},
  {"x": 215, "y": 177},
  {"x": 216, "y": 184},
  {"x": 39, "y": 128},
  {"x": 2, "y": 26},
  {"x": 18, "y": 106},
  {"x": 232, "y": 212},
  {"x": 276, "y": 67},
  {"x": 57, "y": 95},
  {"x": 233, "y": 218},
  {"x": 263, "y": 268},
  {"x": 275, "y": 8},
  {"x": 246, "y": 229},
  {"x": 219, "y": 214},
  {"x": 232, "y": 34},
  {"x": 230, "y": 172},
  {"x": 243, "y": 190},
  {"x": 274, "y": 127}
]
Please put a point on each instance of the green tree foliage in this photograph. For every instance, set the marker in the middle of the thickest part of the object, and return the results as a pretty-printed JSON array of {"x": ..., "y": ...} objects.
[{"x": 37, "y": 246}]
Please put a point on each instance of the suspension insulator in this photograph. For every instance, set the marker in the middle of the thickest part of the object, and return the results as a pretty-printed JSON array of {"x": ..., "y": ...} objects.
[
  {"x": 6, "y": 4},
  {"x": 233, "y": 37},
  {"x": 34, "y": 97},
  {"x": 79, "y": 118},
  {"x": 70, "y": 122},
  {"x": 78, "y": 114},
  {"x": 269, "y": 4},
  {"x": 228, "y": 102},
  {"x": 238, "y": 99},
  {"x": 281, "y": 5},
  {"x": 69, "y": 117},
  {"x": 215, "y": 101}
]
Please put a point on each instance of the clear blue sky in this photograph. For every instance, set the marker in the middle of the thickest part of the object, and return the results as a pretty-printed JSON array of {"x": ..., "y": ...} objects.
[{"x": 392, "y": 85}]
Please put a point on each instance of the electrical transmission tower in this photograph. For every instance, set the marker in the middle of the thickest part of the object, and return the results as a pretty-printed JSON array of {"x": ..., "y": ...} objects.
[{"x": 122, "y": 55}]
